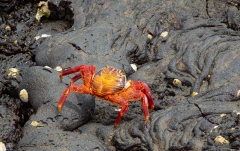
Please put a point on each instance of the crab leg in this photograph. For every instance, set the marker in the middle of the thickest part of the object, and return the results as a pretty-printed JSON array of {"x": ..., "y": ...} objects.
[
  {"x": 139, "y": 90},
  {"x": 145, "y": 108},
  {"x": 86, "y": 72},
  {"x": 138, "y": 95},
  {"x": 147, "y": 92},
  {"x": 120, "y": 114},
  {"x": 119, "y": 101},
  {"x": 70, "y": 71},
  {"x": 75, "y": 78},
  {"x": 78, "y": 88},
  {"x": 63, "y": 99}
]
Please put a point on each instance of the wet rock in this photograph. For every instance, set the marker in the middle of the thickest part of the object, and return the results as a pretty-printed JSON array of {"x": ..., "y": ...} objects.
[{"x": 44, "y": 90}]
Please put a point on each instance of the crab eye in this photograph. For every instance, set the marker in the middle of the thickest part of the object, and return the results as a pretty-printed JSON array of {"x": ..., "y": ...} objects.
[{"x": 127, "y": 85}]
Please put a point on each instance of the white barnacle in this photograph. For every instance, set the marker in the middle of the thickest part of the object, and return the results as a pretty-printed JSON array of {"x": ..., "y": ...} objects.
[
  {"x": 42, "y": 36},
  {"x": 34, "y": 123},
  {"x": 47, "y": 67},
  {"x": 23, "y": 95},
  {"x": 42, "y": 10},
  {"x": 177, "y": 82},
  {"x": 45, "y": 35},
  {"x": 194, "y": 94},
  {"x": 37, "y": 37},
  {"x": 13, "y": 72},
  {"x": 144, "y": 30},
  {"x": 58, "y": 68},
  {"x": 237, "y": 112},
  {"x": 134, "y": 66},
  {"x": 222, "y": 115},
  {"x": 164, "y": 34},
  {"x": 214, "y": 128},
  {"x": 15, "y": 42},
  {"x": 238, "y": 93},
  {"x": 150, "y": 36},
  {"x": 220, "y": 139},
  {"x": 8, "y": 28},
  {"x": 2, "y": 146}
]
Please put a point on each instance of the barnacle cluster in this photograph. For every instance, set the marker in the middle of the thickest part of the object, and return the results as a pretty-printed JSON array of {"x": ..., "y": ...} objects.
[
  {"x": 42, "y": 10},
  {"x": 220, "y": 139},
  {"x": 13, "y": 72}
]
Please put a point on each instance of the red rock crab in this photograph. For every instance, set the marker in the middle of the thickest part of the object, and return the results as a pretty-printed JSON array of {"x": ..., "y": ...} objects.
[{"x": 108, "y": 84}]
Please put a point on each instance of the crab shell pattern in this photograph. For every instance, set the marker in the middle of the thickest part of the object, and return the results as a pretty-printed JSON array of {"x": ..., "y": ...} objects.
[{"x": 107, "y": 81}]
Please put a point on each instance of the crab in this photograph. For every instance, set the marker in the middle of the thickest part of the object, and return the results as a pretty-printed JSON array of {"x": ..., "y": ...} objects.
[{"x": 108, "y": 84}]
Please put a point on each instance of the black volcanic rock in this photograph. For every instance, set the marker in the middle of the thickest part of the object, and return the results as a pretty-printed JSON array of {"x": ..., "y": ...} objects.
[
  {"x": 44, "y": 90},
  {"x": 200, "y": 49}
]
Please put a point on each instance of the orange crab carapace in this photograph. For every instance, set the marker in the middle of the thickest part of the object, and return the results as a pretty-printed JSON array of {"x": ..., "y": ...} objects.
[{"x": 108, "y": 84}]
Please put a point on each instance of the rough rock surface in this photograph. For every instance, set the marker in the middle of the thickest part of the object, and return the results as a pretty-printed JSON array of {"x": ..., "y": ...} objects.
[
  {"x": 200, "y": 50},
  {"x": 206, "y": 62},
  {"x": 18, "y": 29},
  {"x": 43, "y": 95}
]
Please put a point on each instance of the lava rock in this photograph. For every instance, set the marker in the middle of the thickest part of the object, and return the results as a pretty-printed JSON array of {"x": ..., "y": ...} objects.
[
  {"x": 207, "y": 62},
  {"x": 60, "y": 10},
  {"x": 13, "y": 114},
  {"x": 48, "y": 138},
  {"x": 44, "y": 90},
  {"x": 7, "y": 6},
  {"x": 201, "y": 53},
  {"x": 79, "y": 47}
]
